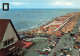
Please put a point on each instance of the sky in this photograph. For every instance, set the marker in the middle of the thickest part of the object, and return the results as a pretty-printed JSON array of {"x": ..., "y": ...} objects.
[{"x": 41, "y": 4}]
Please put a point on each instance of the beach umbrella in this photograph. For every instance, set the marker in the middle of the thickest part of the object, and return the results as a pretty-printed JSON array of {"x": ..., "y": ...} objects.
[
  {"x": 52, "y": 27},
  {"x": 58, "y": 26}
]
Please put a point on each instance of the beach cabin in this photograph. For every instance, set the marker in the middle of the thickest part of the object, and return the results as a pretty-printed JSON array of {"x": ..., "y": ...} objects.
[{"x": 10, "y": 45}]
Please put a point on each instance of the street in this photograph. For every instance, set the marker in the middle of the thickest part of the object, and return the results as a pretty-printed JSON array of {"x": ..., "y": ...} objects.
[
  {"x": 60, "y": 45},
  {"x": 69, "y": 43},
  {"x": 30, "y": 51}
]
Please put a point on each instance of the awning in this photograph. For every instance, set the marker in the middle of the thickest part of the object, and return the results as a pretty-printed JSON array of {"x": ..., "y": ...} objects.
[{"x": 27, "y": 44}]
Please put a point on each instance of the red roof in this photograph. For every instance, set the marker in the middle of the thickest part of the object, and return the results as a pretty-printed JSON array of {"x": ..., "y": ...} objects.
[
  {"x": 3, "y": 26},
  {"x": 27, "y": 44},
  {"x": 75, "y": 36},
  {"x": 59, "y": 35},
  {"x": 11, "y": 48}
]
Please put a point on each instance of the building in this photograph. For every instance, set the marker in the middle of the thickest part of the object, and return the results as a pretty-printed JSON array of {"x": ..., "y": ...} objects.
[{"x": 10, "y": 45}]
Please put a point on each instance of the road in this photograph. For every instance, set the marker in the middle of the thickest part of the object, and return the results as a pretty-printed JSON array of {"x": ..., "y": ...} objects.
[
  {"x": 69, "y": 42},
  {"x": 61, "y": 45}
]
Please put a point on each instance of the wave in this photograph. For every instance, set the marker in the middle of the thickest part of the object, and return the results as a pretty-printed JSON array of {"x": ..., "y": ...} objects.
[
  {"x": 29, "y": 28},
  {"x": 43, "y": 22}
]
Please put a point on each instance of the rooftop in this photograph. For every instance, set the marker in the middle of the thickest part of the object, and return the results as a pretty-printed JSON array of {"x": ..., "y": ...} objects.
[{"x": 3, "y": 26}]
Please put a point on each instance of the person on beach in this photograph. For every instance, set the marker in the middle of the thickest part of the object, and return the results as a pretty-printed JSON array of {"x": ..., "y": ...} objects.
[
  {"x": 55, "y": 44},
  {"x": 35, "y": 49},
  {"x": 49, "y": 38},
  {"x": 38, "y": 50}
]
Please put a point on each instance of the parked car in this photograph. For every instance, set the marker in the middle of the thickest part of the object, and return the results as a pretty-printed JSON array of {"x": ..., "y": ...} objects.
[
  {"x": 45, "y": 51},
  {"x": 62, "y": 33},
  {"x": 55, "y": 40},
  {"x": 46, "y": 35},
  {"x": 22, "y": 37},
  {"x": 76, "y": 44},
  {"x": 59, "y": 35},
  {"x": 30, "y": 36},
  {"x": 51, "y": 46},
  {"x": 72, "y": 34},
  {"x": 66, "y": 51}
]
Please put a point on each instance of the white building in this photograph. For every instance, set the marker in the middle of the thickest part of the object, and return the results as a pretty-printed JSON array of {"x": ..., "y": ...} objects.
[{"x": 9, "y": 41}]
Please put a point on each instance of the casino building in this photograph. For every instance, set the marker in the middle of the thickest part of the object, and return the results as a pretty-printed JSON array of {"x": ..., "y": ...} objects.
[{"x": 10, "y": 45}]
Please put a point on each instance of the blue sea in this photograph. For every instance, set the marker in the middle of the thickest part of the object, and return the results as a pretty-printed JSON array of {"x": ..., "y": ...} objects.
[{"x": 29, "y": 19}]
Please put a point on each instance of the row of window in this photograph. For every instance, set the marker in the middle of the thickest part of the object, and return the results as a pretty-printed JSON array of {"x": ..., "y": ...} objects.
[{"x": 8, "y": 41}]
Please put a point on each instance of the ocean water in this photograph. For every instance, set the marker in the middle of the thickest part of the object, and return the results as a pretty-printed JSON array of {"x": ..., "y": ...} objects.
[{"x": 29, "y": 19}]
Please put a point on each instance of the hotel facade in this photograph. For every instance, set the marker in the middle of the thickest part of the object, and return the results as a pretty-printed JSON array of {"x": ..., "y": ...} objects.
[{"x": 10, "y": 44}]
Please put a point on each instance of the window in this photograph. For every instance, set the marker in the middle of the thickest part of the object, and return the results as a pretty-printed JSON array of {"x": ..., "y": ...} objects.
[
  {"x": 5, "y": 43},
  {"x": 9, "y": 41},
  {"x": 12, "y": 40}
]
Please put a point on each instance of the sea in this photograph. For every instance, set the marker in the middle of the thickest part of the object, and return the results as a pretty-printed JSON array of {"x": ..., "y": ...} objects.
[{"x": 29, "y": 19}]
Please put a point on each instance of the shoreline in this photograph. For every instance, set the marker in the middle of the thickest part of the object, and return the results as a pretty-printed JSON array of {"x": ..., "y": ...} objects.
[{"x": 56, "y": 22}]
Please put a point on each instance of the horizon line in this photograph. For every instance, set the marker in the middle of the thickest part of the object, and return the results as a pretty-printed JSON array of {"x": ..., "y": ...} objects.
[{"x": 43, "y": 8}]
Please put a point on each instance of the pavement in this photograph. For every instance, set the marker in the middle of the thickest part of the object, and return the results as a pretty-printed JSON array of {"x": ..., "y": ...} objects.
[
  {"x": 69, "y": 42},
  {"x": 60, "y": 45},
  {"x": 31, "y": 52}
]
